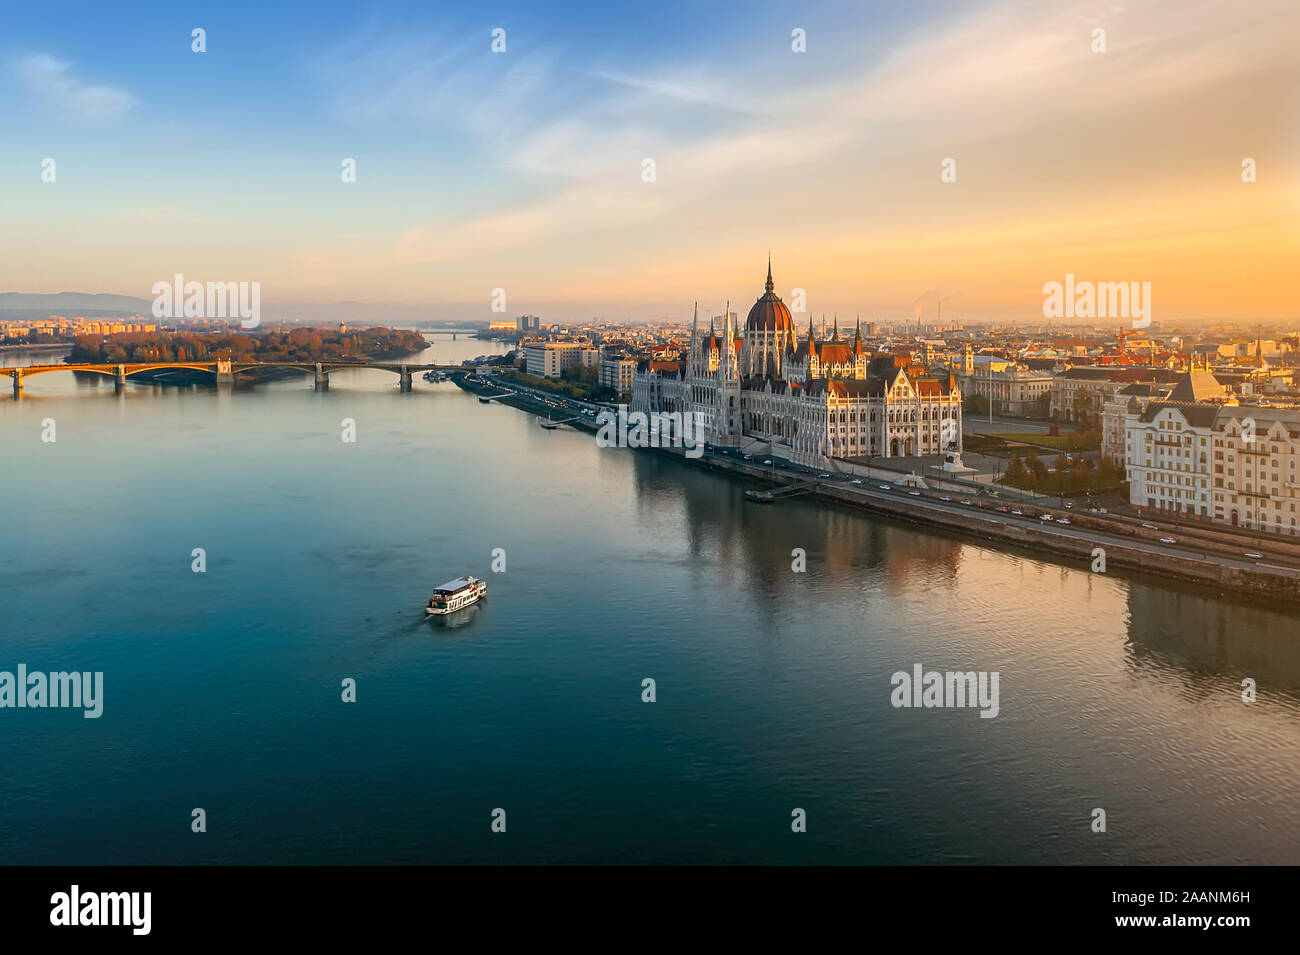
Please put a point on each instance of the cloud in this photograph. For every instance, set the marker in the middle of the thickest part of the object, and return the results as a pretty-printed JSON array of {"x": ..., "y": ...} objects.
[
  {"x": 695, "y": 90},
  {"x": 1003, "y": 74},
  {"x": 53, "y": 82}
]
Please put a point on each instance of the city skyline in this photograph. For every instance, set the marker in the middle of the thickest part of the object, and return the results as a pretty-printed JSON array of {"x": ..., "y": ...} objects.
[{"x": 524, "y": 170}]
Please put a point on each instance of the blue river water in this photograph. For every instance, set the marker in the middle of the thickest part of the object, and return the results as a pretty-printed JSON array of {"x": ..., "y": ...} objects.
[{"x": 223, "y": 689}]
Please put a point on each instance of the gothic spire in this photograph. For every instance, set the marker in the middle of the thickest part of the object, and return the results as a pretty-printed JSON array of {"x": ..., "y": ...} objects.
[
  {"x": 770, "y": 284},
  {"x": 693, "y": 354},
  {"x": 729, "y": 369},
  {"x": 836, "y": 336}
]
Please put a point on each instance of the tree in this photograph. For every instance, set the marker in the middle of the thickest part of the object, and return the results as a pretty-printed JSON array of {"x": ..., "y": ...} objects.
[
  {"x": 1016, "y": 469},
  {"x": 1037, "y": 467}
]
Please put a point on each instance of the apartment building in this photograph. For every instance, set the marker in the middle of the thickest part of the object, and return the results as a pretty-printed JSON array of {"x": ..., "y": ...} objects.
[
  {"x": 1167, "y": 450},
  {"x": 618, "y": 374},
  {"x": 1255, "y": 482},
  {"x": 553, "y": 359}
]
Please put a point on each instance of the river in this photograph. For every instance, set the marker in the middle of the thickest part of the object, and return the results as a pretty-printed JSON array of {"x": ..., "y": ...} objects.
[{"x": 223, "y": 689}]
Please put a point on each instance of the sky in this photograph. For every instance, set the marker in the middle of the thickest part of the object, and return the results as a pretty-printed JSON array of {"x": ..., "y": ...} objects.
[{"x": 526, "y": 170}]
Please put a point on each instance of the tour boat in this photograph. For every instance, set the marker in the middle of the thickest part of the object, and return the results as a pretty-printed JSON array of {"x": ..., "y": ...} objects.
[{"x": 455, "y": 594}]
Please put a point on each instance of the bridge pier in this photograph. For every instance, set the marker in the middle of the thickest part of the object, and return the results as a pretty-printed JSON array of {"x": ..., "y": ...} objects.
[
  {"x": 406, "y": 379},
  {"x": 322, "y": 378},
  {"x": 119, "y": 379},
  {"x": 18, "y": 384},
  {"x": 225, "y": 374}
]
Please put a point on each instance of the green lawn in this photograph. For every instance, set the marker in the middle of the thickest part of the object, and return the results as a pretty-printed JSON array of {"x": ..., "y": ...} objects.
[
  {"x": 1071, "y": 483},
  {"x": 1070, "y": 441}
]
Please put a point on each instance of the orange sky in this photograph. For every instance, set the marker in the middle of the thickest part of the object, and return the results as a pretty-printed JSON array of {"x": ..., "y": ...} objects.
[{"x": 1123, "y": 165}]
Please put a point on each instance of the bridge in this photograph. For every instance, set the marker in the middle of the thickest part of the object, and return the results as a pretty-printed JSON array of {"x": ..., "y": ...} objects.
[{"x": 223, "y": 370}]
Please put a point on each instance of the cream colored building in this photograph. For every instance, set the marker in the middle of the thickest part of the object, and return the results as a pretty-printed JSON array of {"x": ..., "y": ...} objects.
[
  {"x": 1168, "y": 458},
  {"x": 1255, "y": 479},
  {"x": 553, "y": 359},
  {"x": 1009, "y": 387}
]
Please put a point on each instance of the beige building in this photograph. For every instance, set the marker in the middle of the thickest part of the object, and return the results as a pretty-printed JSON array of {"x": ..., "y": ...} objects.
[
  {"x": 1131, "y": 399},
  {"x": 553, "y": 359},
  {"x": 618, "y": 374},
  {"x": 1255, "y": 468},
  {"x": 1080, "y": 394},
  {"x": 1168, "y": 455},
  {"x": 1009, "y": 387}
]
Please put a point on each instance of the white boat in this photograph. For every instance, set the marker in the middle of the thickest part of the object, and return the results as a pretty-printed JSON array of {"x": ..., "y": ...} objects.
[{"x": 456, "y": 594}]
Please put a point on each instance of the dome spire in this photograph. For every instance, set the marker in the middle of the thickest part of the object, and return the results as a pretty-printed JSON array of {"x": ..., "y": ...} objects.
[{"x": 770, "y": 284}]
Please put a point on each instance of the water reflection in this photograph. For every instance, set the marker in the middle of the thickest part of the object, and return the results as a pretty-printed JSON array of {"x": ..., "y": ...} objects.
[{"x": 1214, "y": 642}]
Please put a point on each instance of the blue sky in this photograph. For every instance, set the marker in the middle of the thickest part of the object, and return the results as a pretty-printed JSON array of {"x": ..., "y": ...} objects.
[{"x": 523, "y": 170}]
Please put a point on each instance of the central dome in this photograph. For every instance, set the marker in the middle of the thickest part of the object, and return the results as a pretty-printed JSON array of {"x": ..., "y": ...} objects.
[{"x": 769, "y": 313}]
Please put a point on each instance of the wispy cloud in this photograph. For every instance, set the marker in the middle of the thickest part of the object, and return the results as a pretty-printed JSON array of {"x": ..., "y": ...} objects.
[
  {"x": 55, "y": 84},
  {"x": 695, "y": 90}
]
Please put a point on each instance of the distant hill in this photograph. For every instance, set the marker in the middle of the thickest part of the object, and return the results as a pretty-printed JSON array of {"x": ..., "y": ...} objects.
[
  {"x": 25, "y": 307},
  {"x": 75, "y": 303}
]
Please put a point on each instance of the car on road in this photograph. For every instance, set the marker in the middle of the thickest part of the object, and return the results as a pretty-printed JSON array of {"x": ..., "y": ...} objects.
[
  {"x": 1044, "y": 517},
  {"x": 914, "y": 493},
  {"x": 967, "y": 503},
  {"x": 1018, "y": 513},
  {"x": 749, "y": 457},
  {"x": 883, "y": 487},
  {"x": 1150, "y": 527},
  {"x": 1002, "y": 510},
  {"x": 1062, "y": 520},
  {"x": 856, "y": 481},
  {"x": 1252, "y": 555},
  {"x": 1168, "y": 540},
  {"x": 1069, "y": 506},
  {"x": 944, "y": 497},
  {"x": 823, "y": 475},
  {"x": 767, "y": 460}
]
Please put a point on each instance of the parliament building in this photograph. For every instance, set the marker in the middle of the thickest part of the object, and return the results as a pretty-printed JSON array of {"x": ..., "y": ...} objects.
[{"x": 812, "y": 400}]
